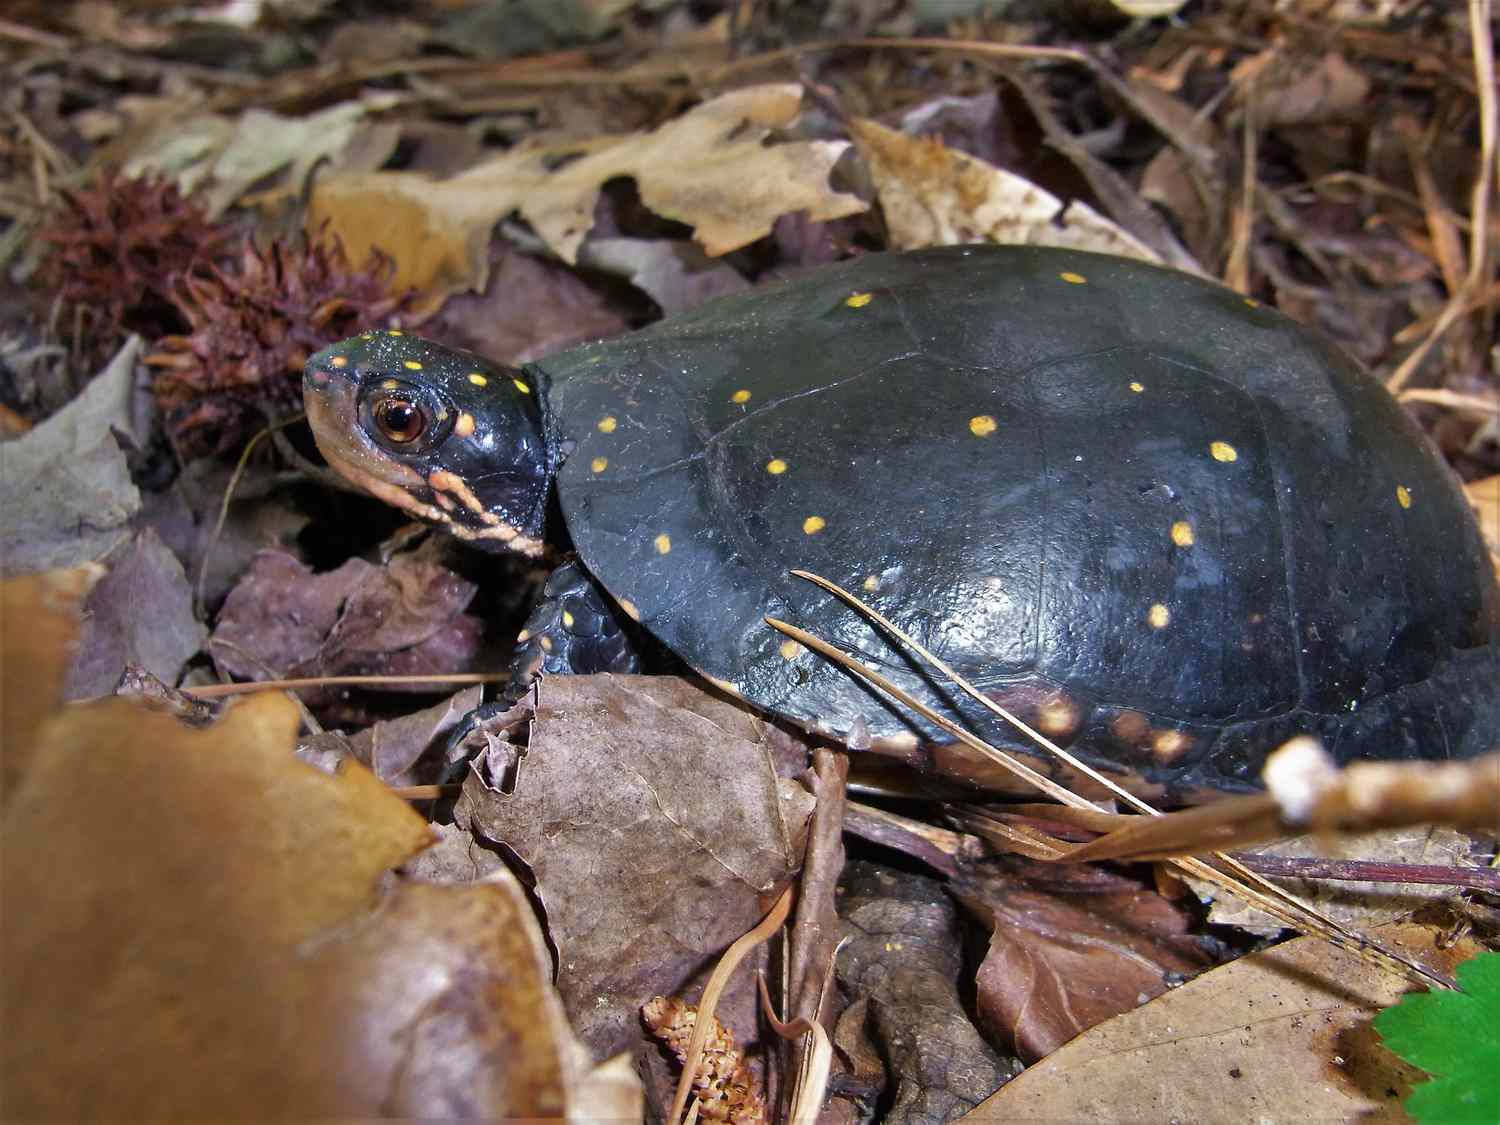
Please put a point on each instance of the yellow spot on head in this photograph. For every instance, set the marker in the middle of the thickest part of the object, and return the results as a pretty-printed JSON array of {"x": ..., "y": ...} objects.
[
  {"x": 1223, "y": 451},
  {"x": 630, "y": 610},
  {"x": 813, "y": 524},
  {"x": 339, "y": 361},
  {"x": 1158, "y": 616},
  {"x": 599, "y": 464},
  {"x": 522, "y": 386},
  {"x": 1403, "y": 496},
  {"x": 859, "y": 300},
  {"x": 464, "y": 426},
  {"x": 740, "y": 396},
  {"x": 1137, "y": 387},
  {"x": 663, "y": 543},
  {"x": 567, "y": 620},
  {"x": 871, "y": 583},
  {"x": 607, "y": 424},
  {"x": 411, "y": 365},
  {"x": 790, "y": 649},
  {"x": 1073, "y": 278},
  {"x": 523, "y": 636},
  {"x": 395, "y": 332},
  {"x": 477, "y": 379},
  {"x": 775, "y": 466},
  {"x": 1182, "y": 533},
  {"x": 982, "y": 425}
]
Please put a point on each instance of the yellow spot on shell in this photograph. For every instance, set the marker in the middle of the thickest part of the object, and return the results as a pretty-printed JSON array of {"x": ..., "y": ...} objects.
[
  {"x": 740, "y": 396},
  {"x": 982, "y": 425},
  {"x": 1182, "y": 533},
  {"x": 567, "y": 620},
  {"x": 1073, "y": 278},
  {"x": 663, "y": 543},
  {"x": 1223, "y": 451},
  {"x": 1403, "y": 496},
  {"x": 871, "y": 583},
  {"x": 630, "y": 611},
  {"x": 395, "y": 332},
  {"x": 477, "y": 379},
  {"x": 464, "y": 426},
  {"x": 813, "y": 524},
  {"x": 599, "y": 464},
  {"x": 790, "y": 649},
  {"x": 607, "y": 424},
  {"x": 522, "y": 386},
  {"x": 775, "y": 466},
  {"x": 1137, "y": 387},
  {"x": 859, "y": 300},
  {"x": 411, "y": 365},
  {"x": 339, "y": 361},
  {"x": 1158, "y": 616}
]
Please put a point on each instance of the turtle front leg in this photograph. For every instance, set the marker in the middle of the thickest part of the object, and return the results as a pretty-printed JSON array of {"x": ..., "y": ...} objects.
[{"x": 572, "y": 631}]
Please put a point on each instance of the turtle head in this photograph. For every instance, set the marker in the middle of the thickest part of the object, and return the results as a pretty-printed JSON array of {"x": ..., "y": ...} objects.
[{"x": 438, "y": 432}]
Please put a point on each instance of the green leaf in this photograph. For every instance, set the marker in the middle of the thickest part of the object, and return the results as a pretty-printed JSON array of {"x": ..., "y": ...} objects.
[{"x": 1455, "y": 1037}]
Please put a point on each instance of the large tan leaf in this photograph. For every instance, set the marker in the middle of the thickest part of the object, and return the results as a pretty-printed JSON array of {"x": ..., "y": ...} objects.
[
  {"x": 712, "y": 169},
  {"x": 933, "y": 195},
  {"x": 1282, "y": 1035}
]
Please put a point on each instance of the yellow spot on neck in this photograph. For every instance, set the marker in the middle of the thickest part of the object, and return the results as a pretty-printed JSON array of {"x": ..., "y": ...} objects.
[
  {"x": 813, "y": 524},
  {"x": 464, "y": 426},
  {"x": 607, "y": 424},
  {"x": 859, "y": 300},
  {"x": 1073, "y": 278},
  {"x": 477, "y": 379},
  {"x": 567, "y": 620},
  {"x": 1137, "y": 387},
  {"x": 982, "y": 425},
  {"x": 663, "y": 543},
  {"x": 1182, "y": 533},
  {"x": 411, "y": 365},
  {"x": 790, "y": 649},
  {"x": 339, "y": 361},
  {"x": 1223, "y": 451},
  {"x": 1403, "y": 496},
  {"x": 775, "y": 466},
  {"x": 599, "y": 464},
  {"x": 741, "y": 396},
  {"x": 1158, "y": 616},
  {"x": 522, "y": 386}
]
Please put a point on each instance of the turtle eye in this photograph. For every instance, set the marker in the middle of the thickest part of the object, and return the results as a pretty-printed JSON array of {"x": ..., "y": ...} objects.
[{"x": 400, "y": 419}]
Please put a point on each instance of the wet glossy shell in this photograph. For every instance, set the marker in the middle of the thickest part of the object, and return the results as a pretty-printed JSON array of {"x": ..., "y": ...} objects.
[{"x": 1170, "y": 525}]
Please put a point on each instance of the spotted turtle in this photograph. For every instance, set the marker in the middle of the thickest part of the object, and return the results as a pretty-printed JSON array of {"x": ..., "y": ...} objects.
[{"x": 1168, "y": 524}]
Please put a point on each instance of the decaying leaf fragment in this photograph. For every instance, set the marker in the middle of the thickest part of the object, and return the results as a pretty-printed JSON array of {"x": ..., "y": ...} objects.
[{"x": 711, "y": 168}]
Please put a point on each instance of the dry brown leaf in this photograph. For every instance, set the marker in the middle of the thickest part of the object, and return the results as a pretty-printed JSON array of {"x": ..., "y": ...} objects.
[
  {"x": 933, "y": 195},
  {"x": 654, "y": 822},
  {"x": 711, "y": 168},
  {"x": 1282, "y": 1035},
  {"x": 199, "y": 925}
]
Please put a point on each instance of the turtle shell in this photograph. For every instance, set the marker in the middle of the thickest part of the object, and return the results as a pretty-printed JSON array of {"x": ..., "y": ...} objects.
[{"x": 1169, "y": 525}]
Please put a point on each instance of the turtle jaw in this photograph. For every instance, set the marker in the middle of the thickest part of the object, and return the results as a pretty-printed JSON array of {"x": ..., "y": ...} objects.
[{"x": 331, "y": 398}]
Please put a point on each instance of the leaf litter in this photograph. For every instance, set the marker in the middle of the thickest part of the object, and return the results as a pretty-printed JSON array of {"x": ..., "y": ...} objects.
[{"x": 671, "y": 157}]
